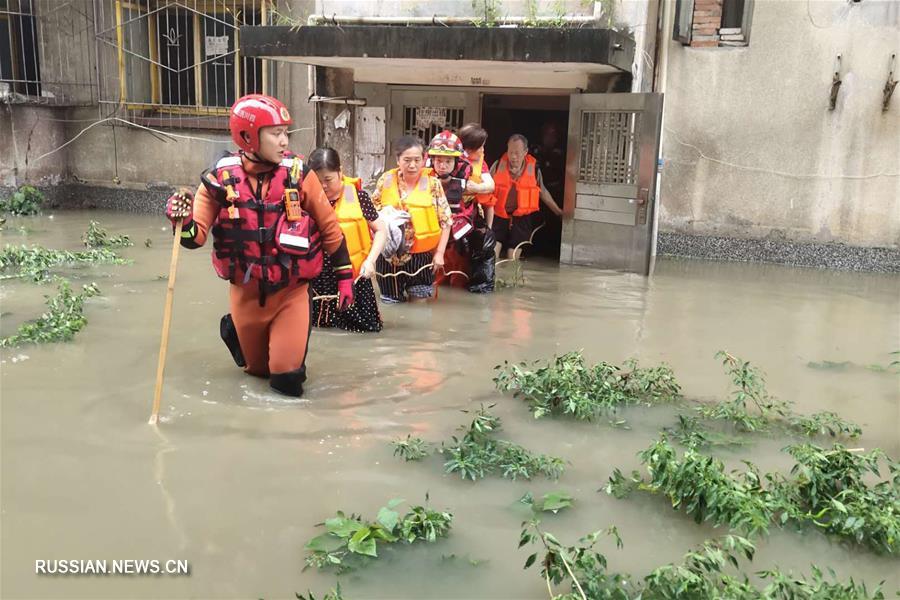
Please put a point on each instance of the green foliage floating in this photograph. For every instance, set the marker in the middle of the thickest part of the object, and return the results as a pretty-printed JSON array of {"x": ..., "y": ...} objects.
[
  {"x": 25, "y": 201},
  {"x": 350, "y": 539},
  {"x": 97, "y": 237},
  {"x": 701, "y": 574},
  {"x": 62, "y": 320},
  {"x": 826, "y": 488},
  {"x": 567, "y": 386},
  {"x": 35, "y": 263},
  {"x": 478, "y": 453}
]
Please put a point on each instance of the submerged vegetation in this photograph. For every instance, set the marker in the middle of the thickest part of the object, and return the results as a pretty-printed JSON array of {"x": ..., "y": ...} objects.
[
  {"x": 752, "y": 408},
  {"x": 25, "y": 201},
  {"x": 826, "y": 489},
  {"x": 63, "y": 318},
  {"x": 567, "y": 386},
  {"x": 478, "y": 453},
  {"x": 702, "y": 574},
  {"x": 98, "y": 237},
  {"x": 35, "y": 263},
  {"x": 350, "y": 539}
]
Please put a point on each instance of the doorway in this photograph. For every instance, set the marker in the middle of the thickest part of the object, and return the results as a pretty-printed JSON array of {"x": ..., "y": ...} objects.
[{"x": 543, "y": 119}]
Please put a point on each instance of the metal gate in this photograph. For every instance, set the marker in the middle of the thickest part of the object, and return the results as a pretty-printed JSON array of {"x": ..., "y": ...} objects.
[
  {"x": 610, "y": 195},
  {"x": 424, "y": 114}
]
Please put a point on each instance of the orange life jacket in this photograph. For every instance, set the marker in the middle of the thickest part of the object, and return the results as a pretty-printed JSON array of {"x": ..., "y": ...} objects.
[
  {"x": 475, "y": 177},
  {"x": 419, "y": 204},
  {"x": 528, "y": 194},
  {"x": 353, "y": 224}
]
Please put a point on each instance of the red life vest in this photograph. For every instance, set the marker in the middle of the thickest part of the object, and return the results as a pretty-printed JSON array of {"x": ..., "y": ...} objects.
[{"x": 252, "y": 237}]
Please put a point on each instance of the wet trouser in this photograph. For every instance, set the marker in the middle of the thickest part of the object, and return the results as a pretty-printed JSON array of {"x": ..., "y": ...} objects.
[
  {"x": 473, "y": 255},
  {"x": 273, "y": 338}
]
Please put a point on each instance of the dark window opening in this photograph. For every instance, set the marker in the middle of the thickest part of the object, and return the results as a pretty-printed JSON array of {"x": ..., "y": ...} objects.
[
  {"x": 19, "y": 60},
  {"x": 176, "y": 50}
]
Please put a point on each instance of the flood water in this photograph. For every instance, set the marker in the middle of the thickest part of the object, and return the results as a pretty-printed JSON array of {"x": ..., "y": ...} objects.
[{"x": 236, "y": 477}]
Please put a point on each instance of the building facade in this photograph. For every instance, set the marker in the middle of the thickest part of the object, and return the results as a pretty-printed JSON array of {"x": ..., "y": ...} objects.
[{"x": 778, "y": 122}]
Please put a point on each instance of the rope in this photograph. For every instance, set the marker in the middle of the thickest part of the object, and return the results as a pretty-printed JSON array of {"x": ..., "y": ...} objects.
[{"x": 529, "y": 241}]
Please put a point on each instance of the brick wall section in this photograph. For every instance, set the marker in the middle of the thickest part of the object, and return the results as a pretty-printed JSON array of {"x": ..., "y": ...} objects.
[{"x": 707, "y": 19}]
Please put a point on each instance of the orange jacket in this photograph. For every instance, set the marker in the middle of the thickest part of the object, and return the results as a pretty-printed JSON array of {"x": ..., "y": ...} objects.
[{"x": 528, "y": 193}]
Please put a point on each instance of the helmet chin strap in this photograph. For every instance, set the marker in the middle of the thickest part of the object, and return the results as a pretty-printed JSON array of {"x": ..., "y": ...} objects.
[{"x": 252, "y": 157}]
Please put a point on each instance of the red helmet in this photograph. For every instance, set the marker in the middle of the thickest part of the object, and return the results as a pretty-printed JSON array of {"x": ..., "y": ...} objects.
[
  {"x": 253, "y": 112},
  {"x": 445, "y": 144}
]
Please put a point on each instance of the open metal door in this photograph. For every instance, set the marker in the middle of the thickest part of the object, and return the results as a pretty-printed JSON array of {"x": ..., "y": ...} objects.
[{"x": 610, "y": 194}]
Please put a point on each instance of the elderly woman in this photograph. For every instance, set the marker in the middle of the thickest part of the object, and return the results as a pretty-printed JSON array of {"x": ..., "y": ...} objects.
[
  {"x": 364, "y": 233},
  {"x": 411, "y": 198}
]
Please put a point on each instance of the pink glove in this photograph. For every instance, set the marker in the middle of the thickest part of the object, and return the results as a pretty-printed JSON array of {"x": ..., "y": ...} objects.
[
  {"x": 345, "y": 293},
  {"x": 179, "y": 206}
]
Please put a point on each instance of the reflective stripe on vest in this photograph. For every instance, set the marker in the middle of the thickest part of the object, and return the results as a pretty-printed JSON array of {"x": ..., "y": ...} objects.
[
  {"x": 354, "y": 225},
  {"x": 420, "y": 205}
]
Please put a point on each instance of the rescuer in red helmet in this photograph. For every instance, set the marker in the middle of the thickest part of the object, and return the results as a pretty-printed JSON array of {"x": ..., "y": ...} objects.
[{"x": 270, "y": 221}]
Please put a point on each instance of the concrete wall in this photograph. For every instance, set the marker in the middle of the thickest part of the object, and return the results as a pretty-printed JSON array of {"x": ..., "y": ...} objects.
[
  {"x": 29, "y": 132},
  {"x": 751, "y": 149},
  {"x": 454, "y": 8}
]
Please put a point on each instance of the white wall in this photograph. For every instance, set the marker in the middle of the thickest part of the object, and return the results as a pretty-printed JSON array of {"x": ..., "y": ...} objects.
[{"x": 750, "y": 147}]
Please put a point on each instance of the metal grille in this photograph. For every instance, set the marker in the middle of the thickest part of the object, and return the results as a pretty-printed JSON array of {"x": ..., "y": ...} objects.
[
  {"x": 609, "y": 149},
  {"x": 46, "y": 52},
  {"x": 178, "y": 62},
  {"x": 425, "y": 122}
]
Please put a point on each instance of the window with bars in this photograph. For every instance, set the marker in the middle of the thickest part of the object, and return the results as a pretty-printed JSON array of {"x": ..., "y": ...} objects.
[
  {"x": 179, "y": 56},
  {"x": 609, "y": 148},
  {"x": 19, "y": 56},
  {"x": 425, "y": 122}
]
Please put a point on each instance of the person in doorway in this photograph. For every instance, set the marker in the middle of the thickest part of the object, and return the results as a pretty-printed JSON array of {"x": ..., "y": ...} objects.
[
  {"x": 412, "y": 203},
  {"x": 358, "y": 219},
  {"x": 518, "y": 188},
  {"x": 269, "y": 218},
  {"x": 551, "y": 159}
]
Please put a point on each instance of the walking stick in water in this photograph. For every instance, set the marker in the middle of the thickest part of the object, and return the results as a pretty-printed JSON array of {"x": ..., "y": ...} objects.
[{"x": 167, "y": 320}]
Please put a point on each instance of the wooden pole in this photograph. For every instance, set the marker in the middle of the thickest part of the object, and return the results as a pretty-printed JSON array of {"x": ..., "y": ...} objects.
[{"x": 167, "y": 321}]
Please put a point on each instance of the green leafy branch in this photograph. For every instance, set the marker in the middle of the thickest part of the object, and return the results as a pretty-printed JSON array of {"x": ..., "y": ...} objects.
[
  {"x": 478, "y": 453},
  {"x": 35, "y": 263},
  {"x": 566, "y": 385},
  {"x": 349, "y": 537},
  {"x": 63, "y": 318}
]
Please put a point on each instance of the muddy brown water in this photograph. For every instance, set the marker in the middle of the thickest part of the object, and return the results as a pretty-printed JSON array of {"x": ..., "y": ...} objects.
[{"x": 237, "y": 477}]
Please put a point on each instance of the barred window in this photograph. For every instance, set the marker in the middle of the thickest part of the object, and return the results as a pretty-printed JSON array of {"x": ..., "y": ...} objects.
[{"x": 179, "y": 57}]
